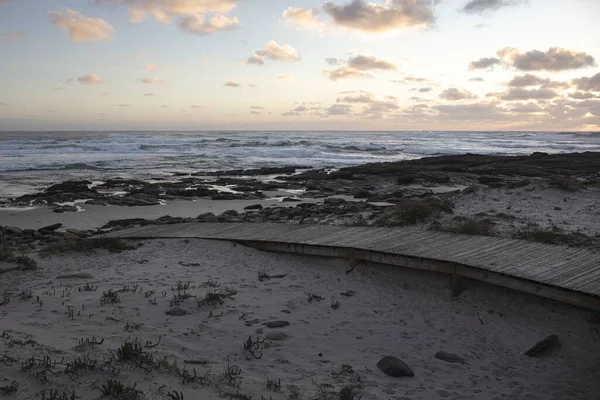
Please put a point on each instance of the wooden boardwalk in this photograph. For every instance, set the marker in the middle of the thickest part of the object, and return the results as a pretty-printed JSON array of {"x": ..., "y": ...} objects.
[{"x": 566, "y": 274}]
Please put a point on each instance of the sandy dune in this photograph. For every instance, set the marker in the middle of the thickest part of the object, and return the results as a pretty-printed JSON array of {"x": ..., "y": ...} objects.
[{"x": 404, "y": 313}]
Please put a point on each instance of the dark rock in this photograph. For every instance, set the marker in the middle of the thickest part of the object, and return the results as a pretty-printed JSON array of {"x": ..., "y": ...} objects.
[
  {"x": 290, "y": 199},
  {"x": 176, "y": 312},
  {"x": 231, "y": 213},
  {"x": 543, "y": 347},
  {"x": 487, "y": 179},
  {"x": 254, "y": 207},
  {"x": 125, "y": 223},
  {"x": 64, "y": 209},
  {"x": 50, "y": 228},
  {"x": 362, "y": 194},
  {"x": 276, "y": 324},
  {"x": 557, "y": 209},
  {"x": 348, "y": 293},
  {"x": 393, "y": 366},
  {"x": 449, "y": 357},
  {"x": 13, "y": 229},
  {"x": 81, "y": 275},
  {"x": 70, "y": 187},
  {"x": 334, "y": 201},
  {"x": 405, "y": 179}
]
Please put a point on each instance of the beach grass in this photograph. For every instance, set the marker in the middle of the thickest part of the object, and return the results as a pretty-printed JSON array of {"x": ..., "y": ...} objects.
[{"x": 114, "y": 245}]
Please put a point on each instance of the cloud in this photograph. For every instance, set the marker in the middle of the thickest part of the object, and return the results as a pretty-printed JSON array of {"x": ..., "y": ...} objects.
[
  {"x": 476, "y": 79},
  {"x": 152, "y": 81},
  {"x": 375, "y": 18},
  {"x": 582, "y": 95},
  {"x": 198, "y": 25},
  {"x": 276, "y": 52},
  {"x": 232, "y": 84},
  {"x": 255, "y": 112},
  {"x": 149, "y": 95},
  {"x": 123, "y": 105},
  {"x": 371, "y": 106},
  {"x": 80, "y": 27},
  {"x": 285, "y": 77},
  {"x": 553, "y": 59},
  {"x": 588, "y": 83},
  {"x": 257, "y": 107},
  {"x": 454, "y": 94},
  {"x": 153, "y": 67},
  {"x": 333, "y": 61},
  {"x": 524, "y": 94},
  {"x": 12, "y": 36},
  {"x": 91, "y": 79},
  {"x": 527, "y": 80},
  {"x": 339, "y": 109},
  {"x": 104, "y": 94},
  {"x": 3, "y": 103},
  {"x": 484, "y": 63},
  {"x": 480, "y": 6},
  {"x": 526, "y": 108},
  {"x": 357, "y": 67},
  {"x": 251, "y": 85},
  {"x": 273, "y": 51},
  {"x": 303, "y": 17},
  {"x": 422, "y": 90},
  {"x": 163, "y": 10},
  {"x": 256, "y": 60}
]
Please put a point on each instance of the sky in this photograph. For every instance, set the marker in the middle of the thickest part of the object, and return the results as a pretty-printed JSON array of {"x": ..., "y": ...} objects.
[{"x": 300, "y": 65}]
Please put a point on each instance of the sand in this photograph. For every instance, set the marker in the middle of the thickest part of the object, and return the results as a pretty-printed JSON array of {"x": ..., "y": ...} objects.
[{"x": 395, "y": 311}]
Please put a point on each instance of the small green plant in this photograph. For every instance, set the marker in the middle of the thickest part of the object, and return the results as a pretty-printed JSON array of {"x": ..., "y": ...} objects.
[
  {"x": 134, "y": 353},
  {"x": 314, "y": 297},
  {"x": 80, "y": 366},
  {"x": 554, "y": 235},
  {"x": 210, "y": 284},
  {"x": 235, "y": 395},
  {"x": 88, "y": 288},
  {"x": 411, "y": 212},
  {"x": 174, "y": 395},
  {"x": 25, "y": 294},
  {"x": 263, "y": 276},
  {"x": 334, "y": 303},
  {"x": 181, "y": 286},
  {"x": 231, "y": 374},
  {"x": 5, "y": 299},
  {"x": 217, "y": 297},
  {"x": 26, "y": 262},
  {"x": 56, "y": 395},
  {"x": 274, "y": 385},
  {"x": 118, "y": 391},
  {"x": 349, "y": 392},
  {"x": 254, "y": 347},
  {"x": 114, "y": 245},
  {"x": 109, "y": 297},
  {"x": 9, "y": 389}
]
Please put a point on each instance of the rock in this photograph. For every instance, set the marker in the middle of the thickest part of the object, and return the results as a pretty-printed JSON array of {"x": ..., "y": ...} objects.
[
  {"x": 362, "y": 194},
  {"x": 64, "y": 209},
  {"x": 276, "y": 336},
  {"x": 13, "y": 229},
  {"x": 231, "y": 213},
  {"x": 70, "y": 236},
  {"x": 348, "y": 293},
  {"x": 334, "y": 201},
  {"x": 557, "y": 209},
  {"x": 125, "y": 223},
  {"x": 81, "y": 275},
  {"x": 51, "y": 228},
  {"x": 290, "y": 199},
  {"x": 449, "y": 357},
  {"x": 543, "y": 347},
  {"x": 393, "y": 366},
  {"x": 176, "y": 312},
  {"x": 254, "y": 207},
  {"x": 276, "y": 324}
]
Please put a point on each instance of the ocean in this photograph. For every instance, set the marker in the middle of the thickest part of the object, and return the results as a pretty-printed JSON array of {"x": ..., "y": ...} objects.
[{"x": 30, "y": 160}]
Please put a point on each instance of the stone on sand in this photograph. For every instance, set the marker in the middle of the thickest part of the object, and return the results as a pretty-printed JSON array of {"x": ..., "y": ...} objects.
[
  {"x": 543, "y": 347},
  {"x": 449, "y": 357},
  {"x": 393, "y": 366},
  {"x": 176, "y": 312},
  {"x": 82, "y": 275},
  {"x": 276, "y": 336},
  {"x": 276, "y": 324}
]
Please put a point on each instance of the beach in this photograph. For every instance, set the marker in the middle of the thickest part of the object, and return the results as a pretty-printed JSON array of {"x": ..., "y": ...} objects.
[
  {"x": 393, "y": 312},
  {"x": 221, "y": 320}
]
